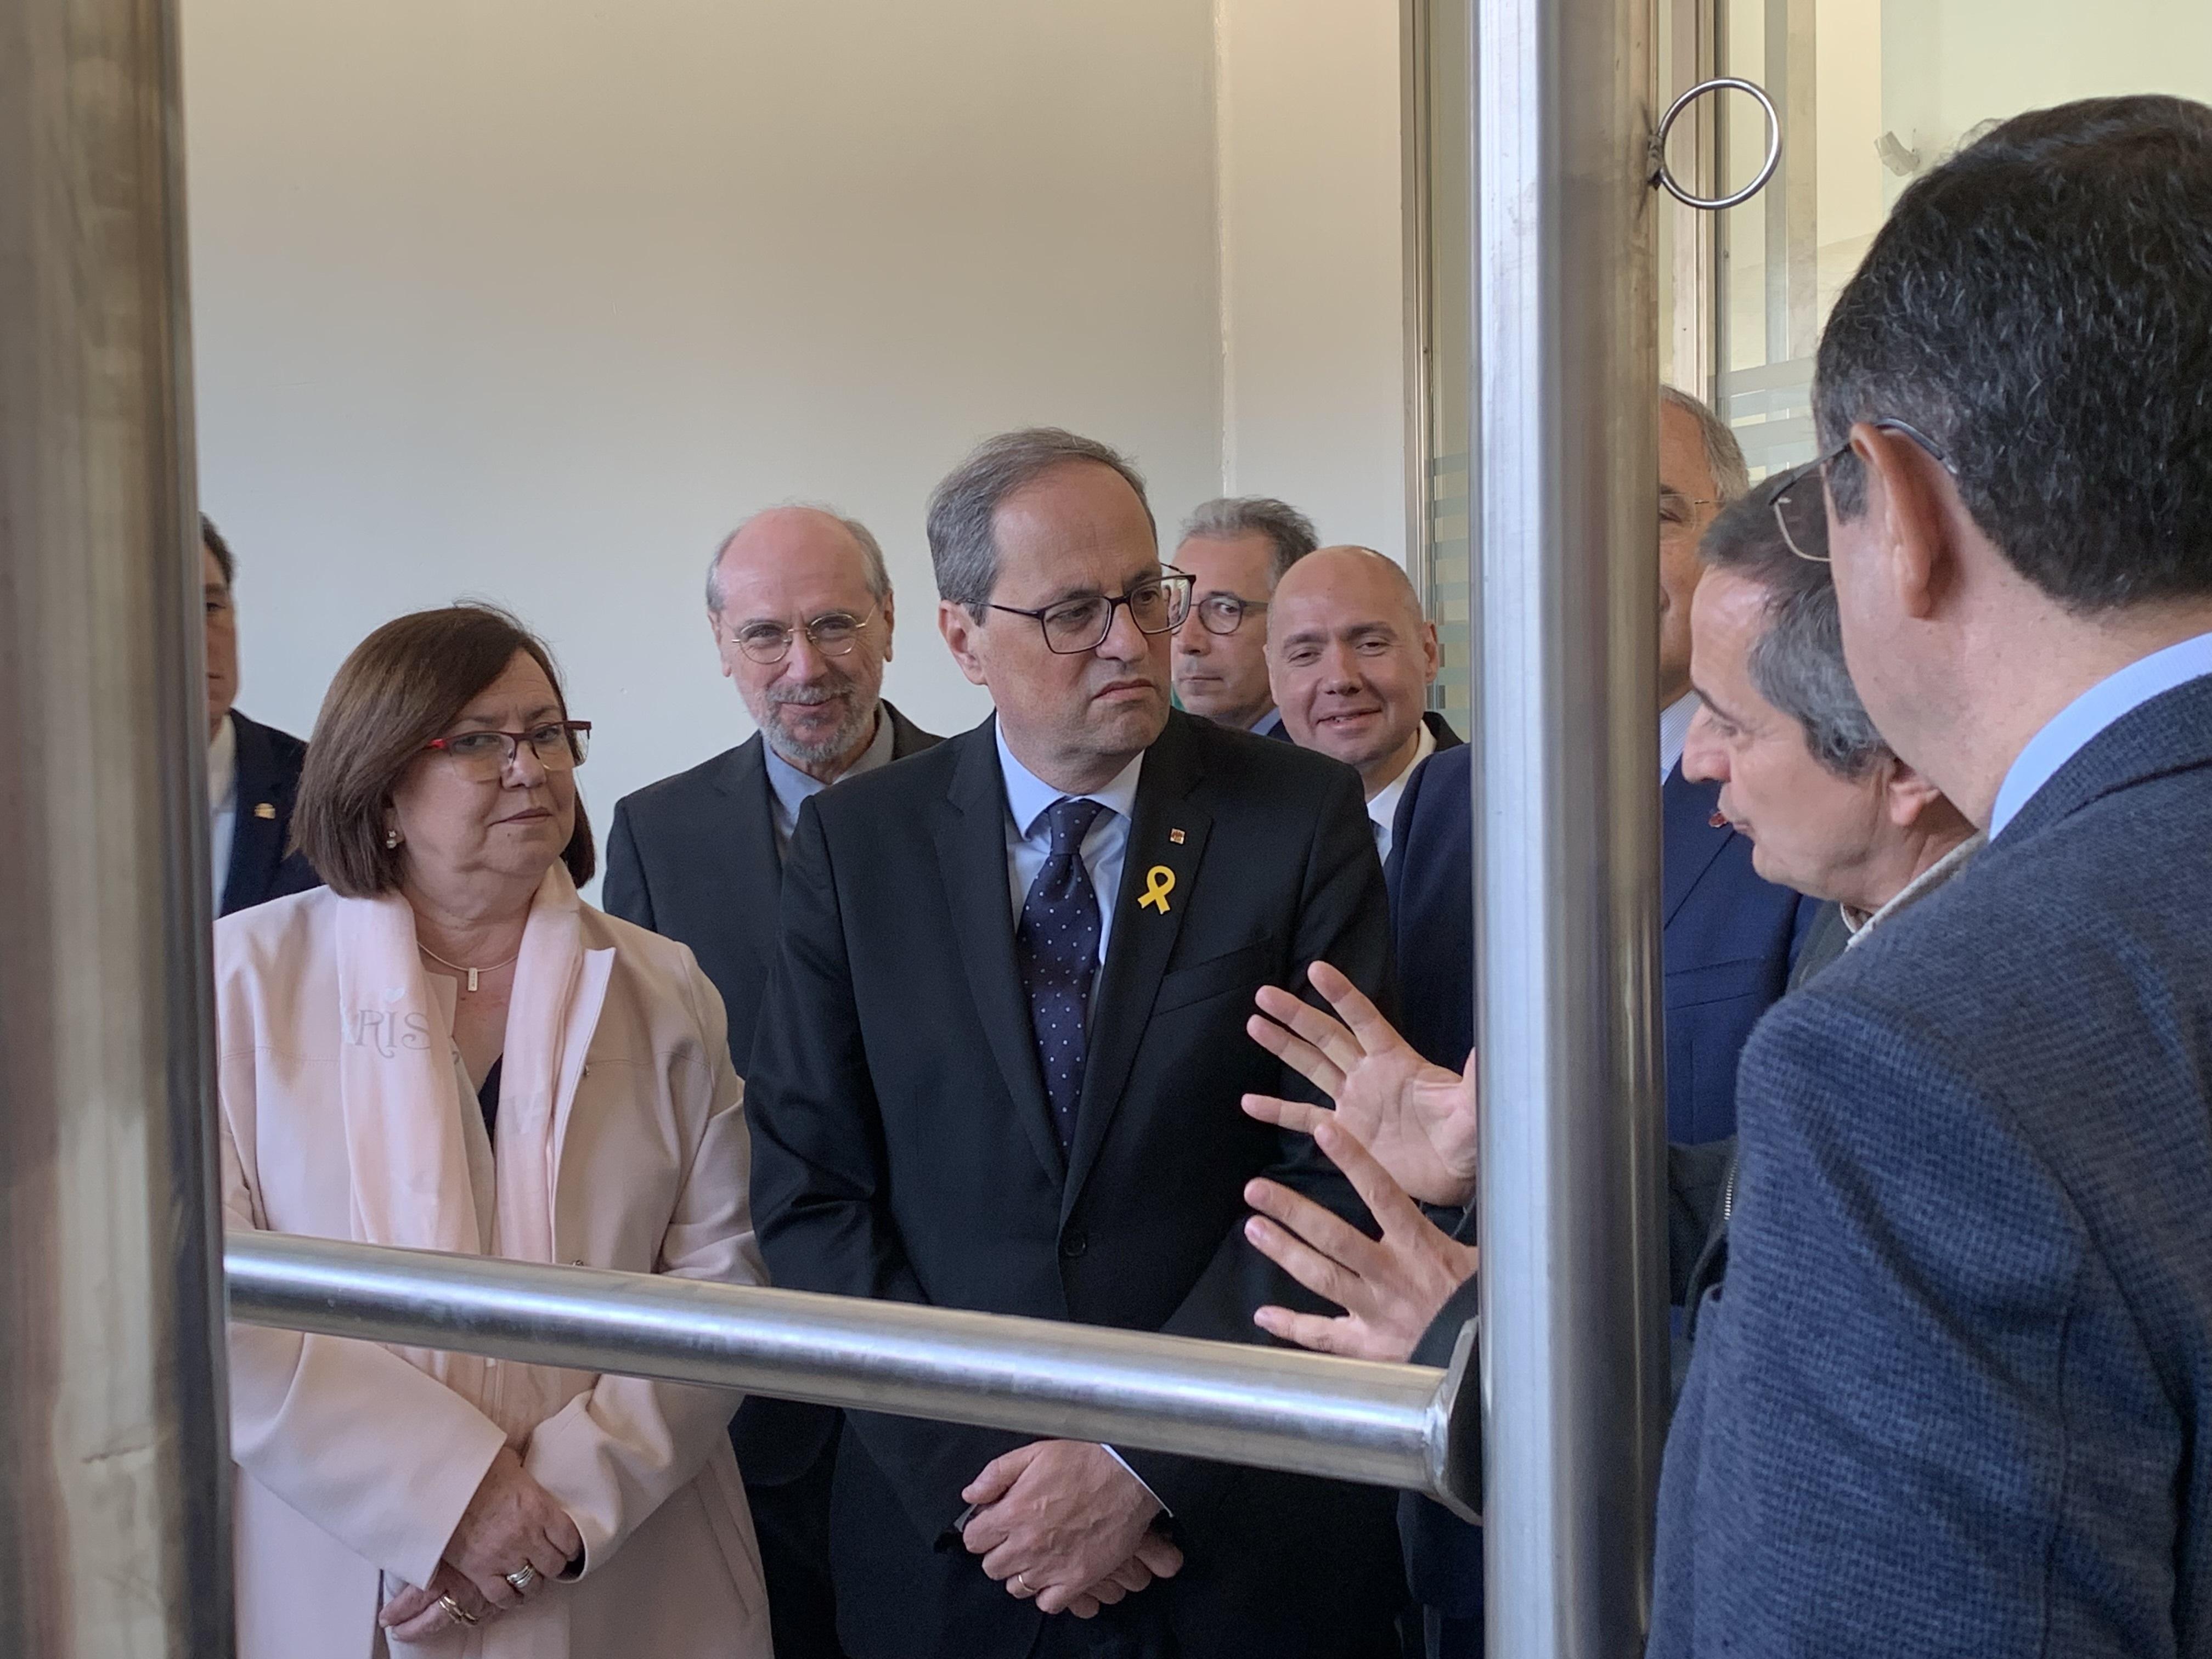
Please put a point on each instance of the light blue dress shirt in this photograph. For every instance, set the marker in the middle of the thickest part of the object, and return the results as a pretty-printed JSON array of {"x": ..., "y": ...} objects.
[
  {"x": 789, "y": 787},
  {"x": 1028, "y": 836},
  {"x": 2103, "y": 703},
  {"x": 1029, "y": 844}
]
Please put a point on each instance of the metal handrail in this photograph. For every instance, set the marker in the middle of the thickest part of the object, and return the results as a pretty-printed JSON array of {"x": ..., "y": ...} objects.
[{"x": 1410, "y": 1426}]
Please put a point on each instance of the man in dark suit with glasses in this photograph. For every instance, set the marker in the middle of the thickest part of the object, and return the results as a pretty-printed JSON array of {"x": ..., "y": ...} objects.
[{"x": 1000, "y": 1068}]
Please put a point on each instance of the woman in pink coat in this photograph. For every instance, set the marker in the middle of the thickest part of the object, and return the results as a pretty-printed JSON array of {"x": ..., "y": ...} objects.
[{"x": 446, "y": 1049}]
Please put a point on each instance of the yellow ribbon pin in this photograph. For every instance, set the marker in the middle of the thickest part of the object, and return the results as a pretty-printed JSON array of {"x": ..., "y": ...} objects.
[{"x": 1159, "y": 882}]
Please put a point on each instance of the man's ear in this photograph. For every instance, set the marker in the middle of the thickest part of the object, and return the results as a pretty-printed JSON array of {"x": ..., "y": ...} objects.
[
  {"x": 714, "y": 627},
  {"x": 960, "y": 630},
  {"x": 890, "y": 620},
  {"x": 1907, "y": 796},
  {"x": 1430, "y": 655},
  {"x": 1910, "y": 499}
]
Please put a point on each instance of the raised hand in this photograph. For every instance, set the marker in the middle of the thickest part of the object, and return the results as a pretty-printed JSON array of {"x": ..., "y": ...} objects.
[
  {"x": 1391, "y": 1289},
  {"x": 1417, "y": 1120},
  {"x": 1058, "y": 1519}
]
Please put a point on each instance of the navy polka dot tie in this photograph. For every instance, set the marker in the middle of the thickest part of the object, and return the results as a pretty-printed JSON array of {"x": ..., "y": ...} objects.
[{"x": 1057, "y": 943}]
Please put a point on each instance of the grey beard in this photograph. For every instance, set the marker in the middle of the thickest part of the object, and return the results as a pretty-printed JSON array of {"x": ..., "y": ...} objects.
[{"x": 857, "y": 724}]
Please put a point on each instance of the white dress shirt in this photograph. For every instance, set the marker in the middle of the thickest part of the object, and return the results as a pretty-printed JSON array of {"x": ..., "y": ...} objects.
[
  {"x": 1028, "y": 836},
  {"x": 222, "y": 805},
  {"x": 1675, "y": 732},
  {"x": 1383, "y": 806},
  {"x": 2103, "y": 704}
]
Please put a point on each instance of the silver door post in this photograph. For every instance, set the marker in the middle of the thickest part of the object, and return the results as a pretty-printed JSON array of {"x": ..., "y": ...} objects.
[
  {"x": 113, "y": 1533},
  {"x": 1566, "y": 809}
]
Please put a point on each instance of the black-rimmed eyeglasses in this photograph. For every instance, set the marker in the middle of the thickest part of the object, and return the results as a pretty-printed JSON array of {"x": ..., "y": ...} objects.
[
  {"x": 833, "y": 634},
  {"x": 1157, "y": 604},
  {"x": 1223, "y": 613},
  {"x": 1801, "y": 499}
]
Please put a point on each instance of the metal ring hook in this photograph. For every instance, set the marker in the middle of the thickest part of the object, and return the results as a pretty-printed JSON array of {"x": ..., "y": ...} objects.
[{"x": 1666, "y": 180}]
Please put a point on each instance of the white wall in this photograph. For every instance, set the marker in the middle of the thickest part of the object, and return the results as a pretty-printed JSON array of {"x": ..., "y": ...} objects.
[
  {"x": 534, "y": 301},
  {"x": 1313, "y": 261}
]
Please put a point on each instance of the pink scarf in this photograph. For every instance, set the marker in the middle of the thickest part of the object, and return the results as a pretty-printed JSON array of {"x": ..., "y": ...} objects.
[{"x": 403, "y": 1092}]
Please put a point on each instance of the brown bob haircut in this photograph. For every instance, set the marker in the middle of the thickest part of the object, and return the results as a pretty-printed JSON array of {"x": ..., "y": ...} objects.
[{"x": 401, "y": 686}]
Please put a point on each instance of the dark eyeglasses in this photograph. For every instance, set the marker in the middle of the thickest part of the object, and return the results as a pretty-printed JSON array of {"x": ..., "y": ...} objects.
[
  {"x": 1800, "y": 500},
  {"x": 833, "y": 634},
  {"x": 1225, "y": 613},
  {"x": 559, "y": 745},
  {"x": 1156, "y": 605}
]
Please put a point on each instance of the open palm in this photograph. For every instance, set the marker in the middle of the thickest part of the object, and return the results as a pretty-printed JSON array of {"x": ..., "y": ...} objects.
[{"x": 1417, "y": 1120}]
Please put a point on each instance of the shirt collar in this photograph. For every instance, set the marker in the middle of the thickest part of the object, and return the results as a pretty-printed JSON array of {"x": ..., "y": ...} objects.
[
  {"x": 222, "y": 765},
  {"x": 1383, "y": 808},
  {"x": 1029, "y": 797},
  {"x": 2083, "y": 720},
  {"x": 793, "y": 787},
  {"x": 1675, "y": 731},
  {"x": 1860, "y": 923}
]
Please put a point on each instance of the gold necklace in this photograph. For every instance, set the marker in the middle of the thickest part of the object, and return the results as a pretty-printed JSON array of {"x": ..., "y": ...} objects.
[{"x": 471, "y": 972}]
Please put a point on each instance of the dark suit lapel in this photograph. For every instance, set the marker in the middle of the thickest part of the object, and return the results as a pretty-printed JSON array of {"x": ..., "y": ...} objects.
[
  {"x": 1168, "y": 834},
  {"x": 971, "y": 855},
  {"x": 742, "y": 779},
  {"x": 907, "y": 737},
  {"x": 255, "y": 851},
  {"x": 1688, "y": 842}
]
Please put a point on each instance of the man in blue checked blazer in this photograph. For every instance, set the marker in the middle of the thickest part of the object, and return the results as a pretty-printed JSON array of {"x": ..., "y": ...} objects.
[{"x": 1954, "y": 1396}]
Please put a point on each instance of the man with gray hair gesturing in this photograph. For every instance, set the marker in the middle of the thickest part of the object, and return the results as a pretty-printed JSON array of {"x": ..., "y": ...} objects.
[
  {"x": 999, "y": 1069},
  {"x": 800, "y": 606}
]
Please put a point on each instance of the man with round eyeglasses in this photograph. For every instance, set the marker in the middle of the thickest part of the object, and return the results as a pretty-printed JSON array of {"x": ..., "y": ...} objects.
[
  {"x": 1235, "y": 548},
  {"x": 800, "y": 606}
]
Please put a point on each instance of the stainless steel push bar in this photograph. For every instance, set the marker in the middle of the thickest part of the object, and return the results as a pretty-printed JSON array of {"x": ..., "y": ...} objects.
[{"x": 1411, "y": 1426}]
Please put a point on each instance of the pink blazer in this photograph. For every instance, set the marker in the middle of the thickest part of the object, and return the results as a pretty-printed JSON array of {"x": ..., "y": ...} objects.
[{"x": 355, "y": 1460}]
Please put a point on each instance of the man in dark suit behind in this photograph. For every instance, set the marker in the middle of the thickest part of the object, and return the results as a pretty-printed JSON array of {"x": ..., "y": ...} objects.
[
  {"x": 1000, "y": 1069},
  {"x": 1730, "y": 936},
  {"x": 801, "y": 607},
  {"x": 253, "y": 770},
  {"x": 1956, "y": 1395}
]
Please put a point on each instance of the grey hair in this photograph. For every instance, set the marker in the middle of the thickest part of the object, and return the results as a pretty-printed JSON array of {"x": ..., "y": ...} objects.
[
  {"x": 1797, "y": 664},
  {"x": 963, "y": 547},
  {"x": 874, "y": 571},
  {"x": 1723, "y": 454},
  {"x": 1290, "y": 531}
]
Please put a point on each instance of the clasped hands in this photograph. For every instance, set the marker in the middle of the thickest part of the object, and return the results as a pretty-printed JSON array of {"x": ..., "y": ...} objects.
[
  {"x": 1402, "y": 1129},
  {"x": 1064, "y": 1522},
  {"x": 511, "y": 1522}
]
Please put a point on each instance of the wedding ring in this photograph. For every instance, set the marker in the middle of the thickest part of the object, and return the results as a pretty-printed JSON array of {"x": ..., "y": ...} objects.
[
  {"x": 1022, "y": 1586},
  {"x": 523, "y": 1578},
  {"x": 459, "y": 1615}
]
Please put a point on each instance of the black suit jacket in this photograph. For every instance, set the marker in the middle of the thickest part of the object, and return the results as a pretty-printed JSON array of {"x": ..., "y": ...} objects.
[
  {"x": 904, "y": 1148},
  {"x": 694, "y": 857},
  {"x": 1729, "y": 941},
  {"x": 262, "y": 863}
]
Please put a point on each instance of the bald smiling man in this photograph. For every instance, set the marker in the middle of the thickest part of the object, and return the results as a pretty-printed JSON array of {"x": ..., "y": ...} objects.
[{"x": 1350, "y": 659}]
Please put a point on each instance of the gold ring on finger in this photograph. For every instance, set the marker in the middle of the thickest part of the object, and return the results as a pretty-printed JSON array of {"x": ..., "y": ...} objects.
[{"x": 456, "y": 1611}]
